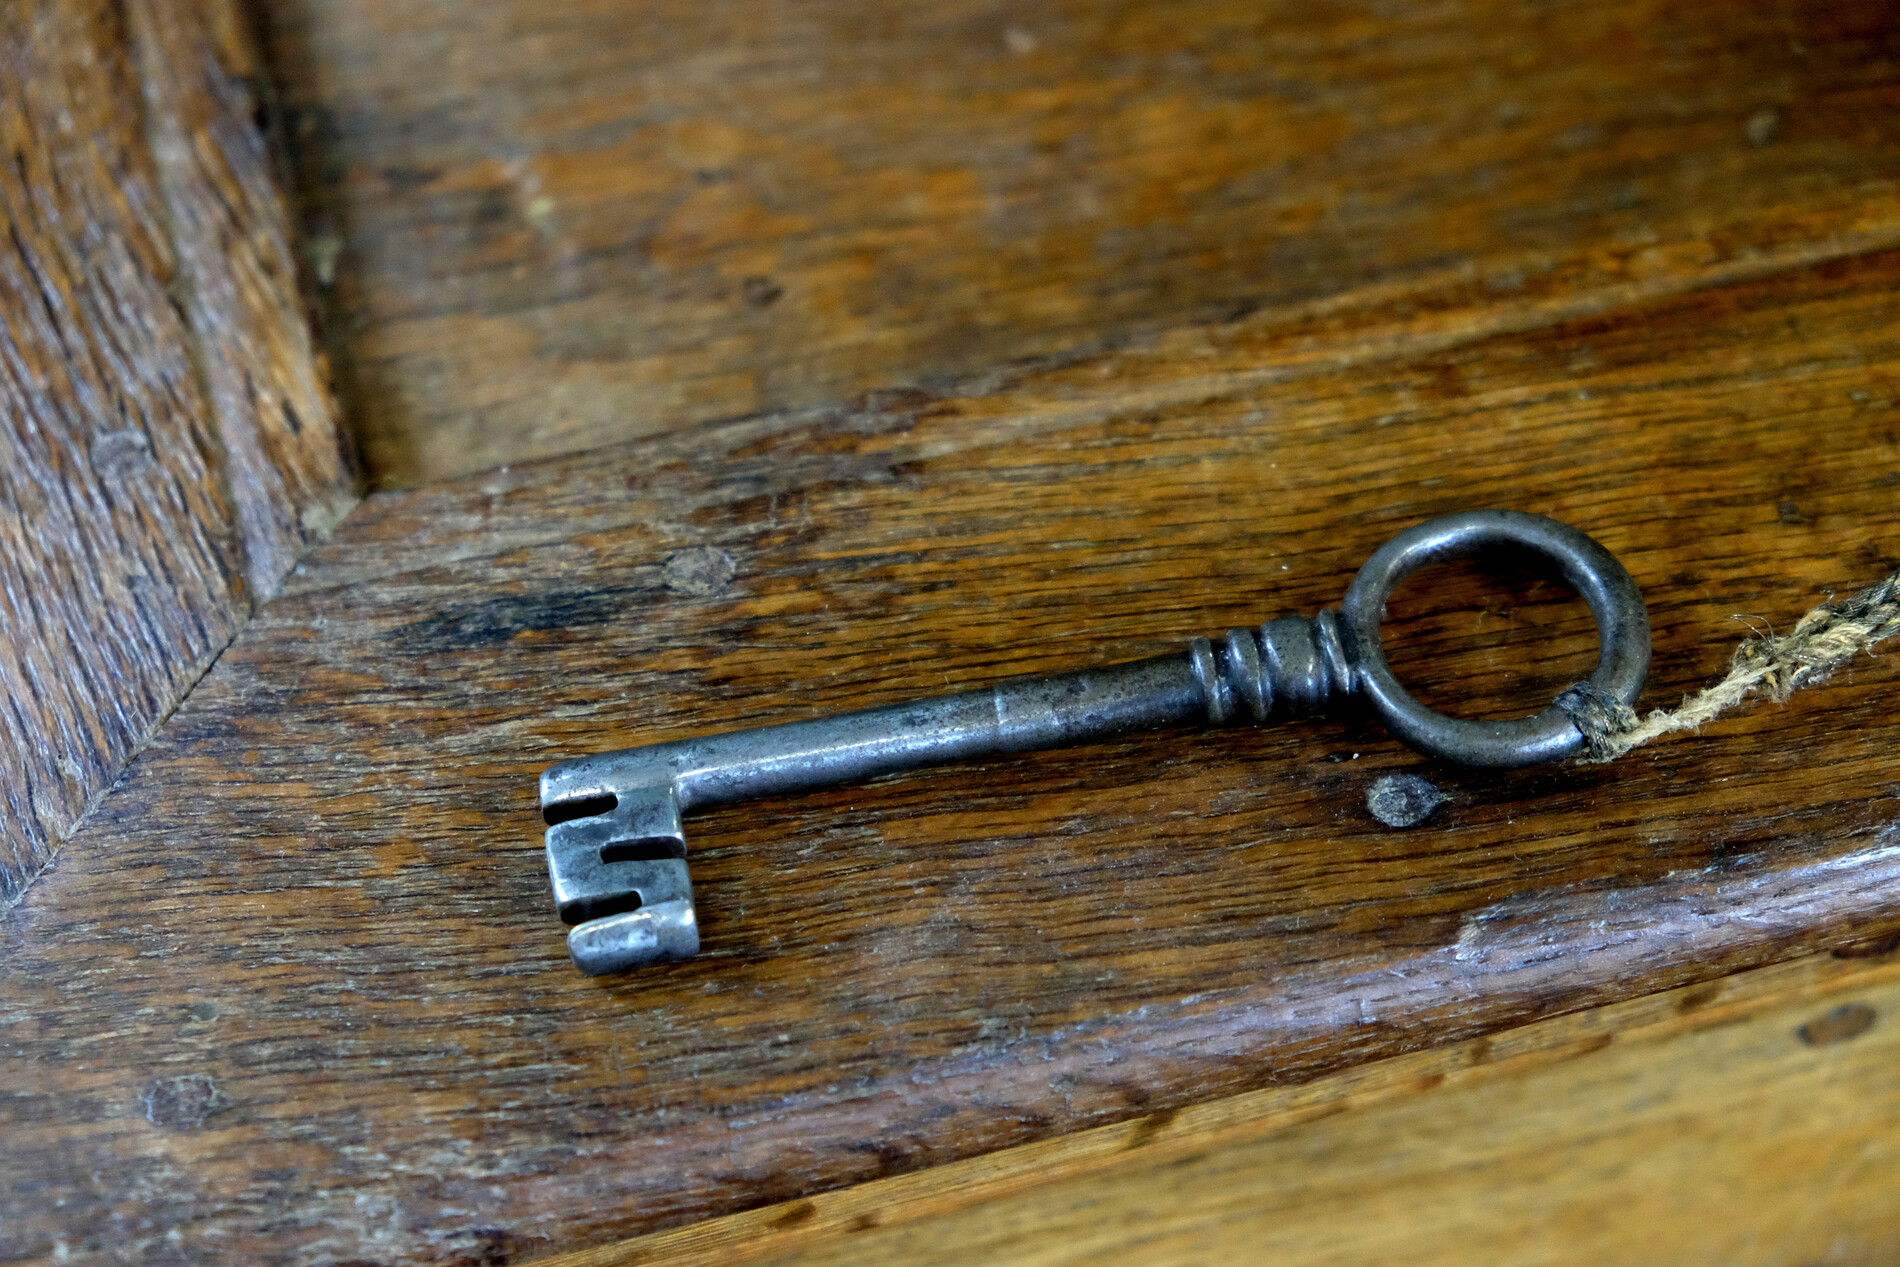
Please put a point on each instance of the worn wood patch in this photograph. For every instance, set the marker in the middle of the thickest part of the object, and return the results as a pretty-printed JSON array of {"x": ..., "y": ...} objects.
[
  {"x": 553, "y": 227},
  {"x": 319, "y": 898},
  {"x": 166, "y": 444}
]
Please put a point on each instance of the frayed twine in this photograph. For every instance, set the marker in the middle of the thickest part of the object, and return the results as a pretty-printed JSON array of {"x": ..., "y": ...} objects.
[{"x": 1766, "y": 664}]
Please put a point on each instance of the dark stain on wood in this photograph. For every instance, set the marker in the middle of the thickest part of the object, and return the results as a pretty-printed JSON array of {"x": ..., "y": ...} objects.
[
  {"x": 463, "y": 627},
  {"x": 1694, "y": 1000},
  {"x": 1146, "y": 1128}
]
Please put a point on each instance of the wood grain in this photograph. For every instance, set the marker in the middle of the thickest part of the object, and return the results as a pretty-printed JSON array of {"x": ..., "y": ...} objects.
[
  {"x": 327, "y": 1014},
  {"x": 1743, "y": 1121},
  {"x": 288, "y": 466},
  {"x": 553, "y": 227},
  {"x": 166, "y": 444}
]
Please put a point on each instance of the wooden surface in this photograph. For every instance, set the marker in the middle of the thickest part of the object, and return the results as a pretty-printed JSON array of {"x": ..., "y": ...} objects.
[
  {"x": 1086, "y": 332},
  {"x": 166, "y": 442},
  {"x": 1750, "y": 1121},
  {"x": 552, "y": 227},
  {"x": 320, "y": 890}
]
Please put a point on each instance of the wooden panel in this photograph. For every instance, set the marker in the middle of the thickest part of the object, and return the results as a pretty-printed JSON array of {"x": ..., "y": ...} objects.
[
  {"x": 558, "y": 226},
  {"x": 1746, "y": 1121},
  {"x": 288, "y": 467},
  {"x": 166, "y": 445},
  {"x": 327, "y": 1014}
]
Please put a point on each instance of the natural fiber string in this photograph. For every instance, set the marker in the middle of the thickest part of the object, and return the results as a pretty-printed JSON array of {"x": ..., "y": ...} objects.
[{"x": 1767, "y": 664}]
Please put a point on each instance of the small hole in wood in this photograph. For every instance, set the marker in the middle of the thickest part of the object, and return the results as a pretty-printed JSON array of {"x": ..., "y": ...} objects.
[
  {"x": 580, "y": 807},
  {"x": 651, "y": 850},
  {"x": 1849, "y": 1020}
]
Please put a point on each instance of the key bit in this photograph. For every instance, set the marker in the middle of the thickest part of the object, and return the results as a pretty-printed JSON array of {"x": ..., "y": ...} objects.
[{"x": 617, "y": 850}]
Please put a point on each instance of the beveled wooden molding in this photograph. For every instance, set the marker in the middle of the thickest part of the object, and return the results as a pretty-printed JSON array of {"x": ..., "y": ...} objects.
[
  {"x": 1539, "y": 1143},
  {"x": 288, "y": 469},
  {"x": 167, "y": 443}
]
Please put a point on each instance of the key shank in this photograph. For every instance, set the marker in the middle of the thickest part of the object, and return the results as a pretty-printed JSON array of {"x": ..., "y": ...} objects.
[{"x": 617, "y": 848}]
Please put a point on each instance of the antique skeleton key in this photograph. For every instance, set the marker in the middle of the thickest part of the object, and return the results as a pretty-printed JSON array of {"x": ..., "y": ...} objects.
[{"x": 617, "y": 853}]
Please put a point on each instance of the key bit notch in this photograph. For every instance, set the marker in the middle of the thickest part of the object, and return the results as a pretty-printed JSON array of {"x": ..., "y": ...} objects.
[{"x": 617, "y": 860}]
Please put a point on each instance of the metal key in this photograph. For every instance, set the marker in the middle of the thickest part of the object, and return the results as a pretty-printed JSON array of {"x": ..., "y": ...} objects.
[{"x": 617, "y": 852}]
